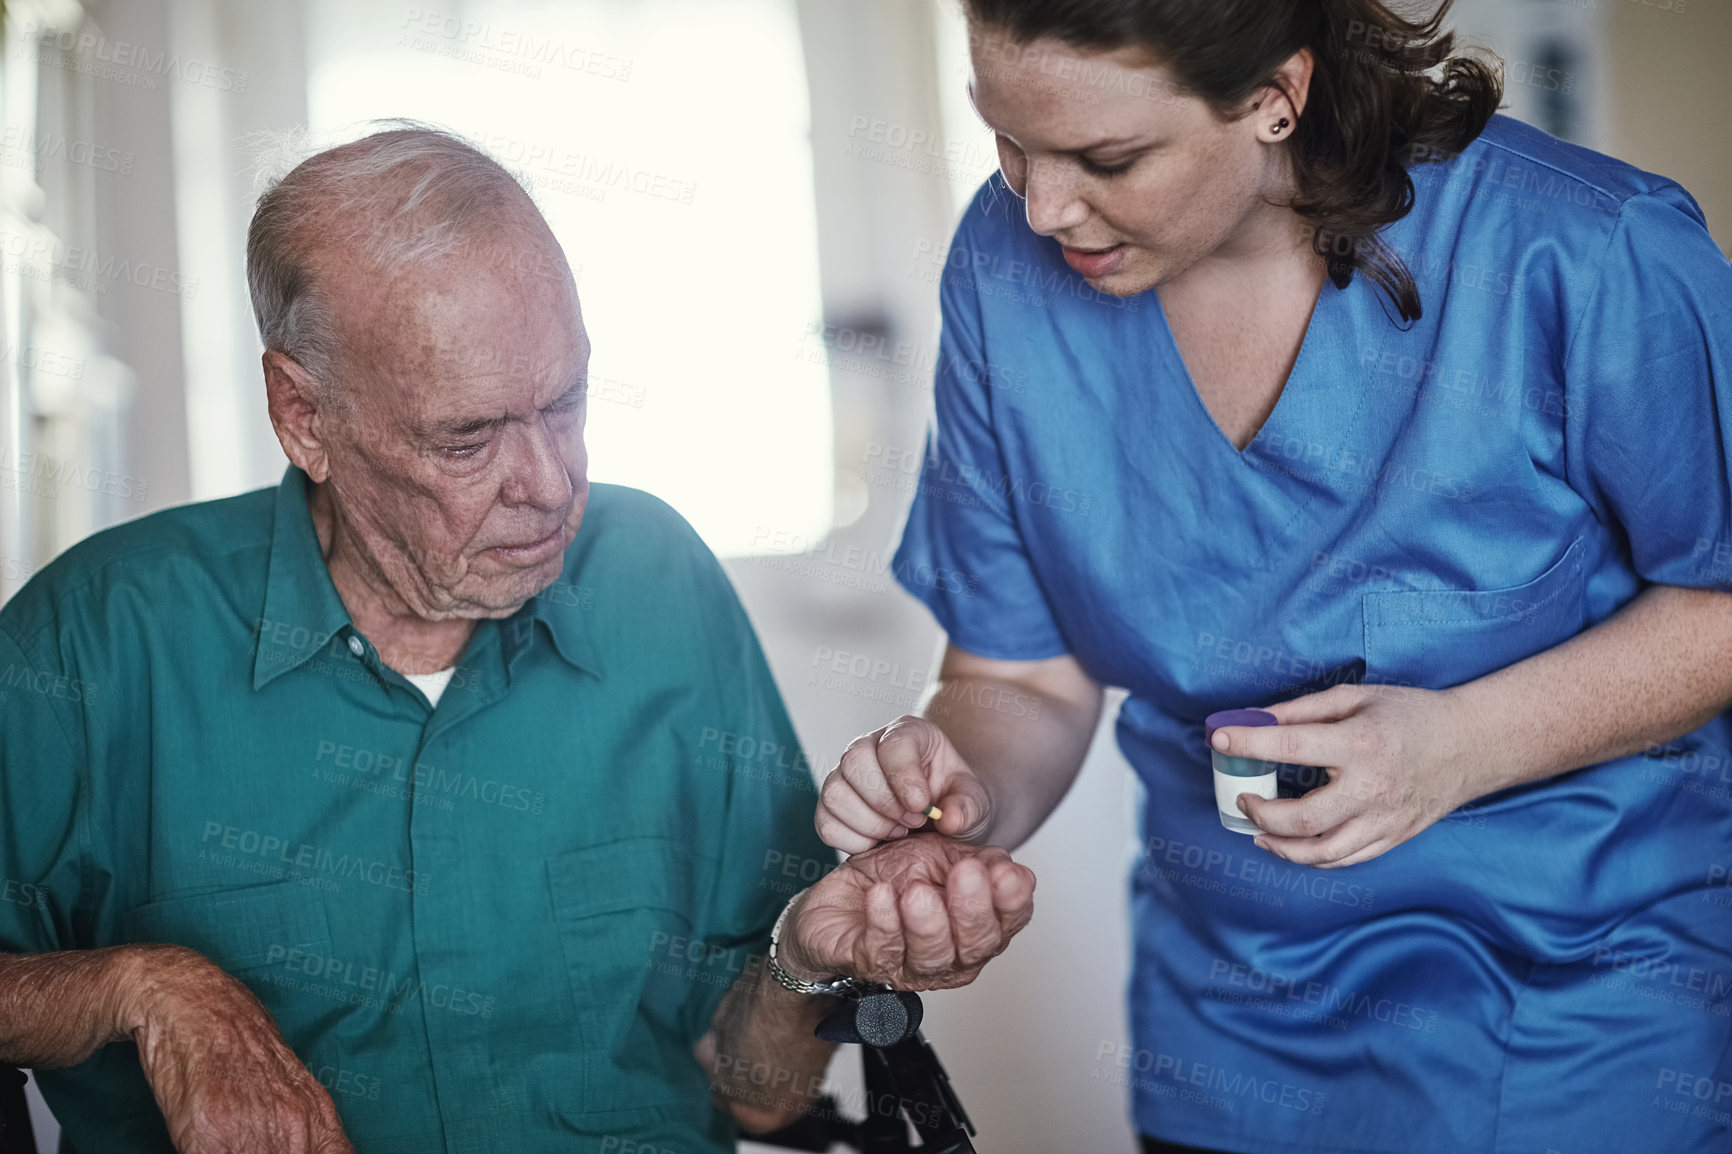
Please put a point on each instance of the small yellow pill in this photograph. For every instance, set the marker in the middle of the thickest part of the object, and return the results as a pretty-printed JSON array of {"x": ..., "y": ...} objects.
[{"x": 934, "y": 812}]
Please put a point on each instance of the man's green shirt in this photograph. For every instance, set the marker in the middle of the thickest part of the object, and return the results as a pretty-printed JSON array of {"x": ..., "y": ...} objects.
[{"x": 495, "y": 925}]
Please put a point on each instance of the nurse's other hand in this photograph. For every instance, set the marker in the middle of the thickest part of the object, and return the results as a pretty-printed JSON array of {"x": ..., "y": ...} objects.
[
  {"x": 886, "y": 781},
  {"x": 924, "y": 913},
  {"x": 1398, "y": 759}
]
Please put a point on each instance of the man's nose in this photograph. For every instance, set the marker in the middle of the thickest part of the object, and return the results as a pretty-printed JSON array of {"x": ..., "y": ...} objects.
[
  {"x": 1051, "y": 198},
  {"x": 539, "y": 475}
]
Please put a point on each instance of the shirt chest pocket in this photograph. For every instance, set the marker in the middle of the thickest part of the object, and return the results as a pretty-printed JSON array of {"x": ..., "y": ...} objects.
[
  {"x": 268, "y": 936},
  {"x": 628, "y": 919},
  {"x": 1439, "y": 638}
]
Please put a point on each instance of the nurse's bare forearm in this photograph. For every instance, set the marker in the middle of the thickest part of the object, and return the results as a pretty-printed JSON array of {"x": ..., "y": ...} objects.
[
  {"x": 1659, "y": 668},
  {"x": 1022, "y": 727},
  {"x": 764, "y": 1063}
]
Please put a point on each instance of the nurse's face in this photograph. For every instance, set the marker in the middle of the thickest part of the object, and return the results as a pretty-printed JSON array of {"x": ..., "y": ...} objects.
[{"x": 1137, "y": 182}]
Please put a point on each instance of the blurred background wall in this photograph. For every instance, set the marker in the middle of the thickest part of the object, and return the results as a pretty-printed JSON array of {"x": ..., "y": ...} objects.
[{"x": 753, "y": 194}]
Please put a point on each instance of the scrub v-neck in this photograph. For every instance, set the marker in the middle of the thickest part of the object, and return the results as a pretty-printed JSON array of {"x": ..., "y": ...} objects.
[{"x": 1282, "y": 403}]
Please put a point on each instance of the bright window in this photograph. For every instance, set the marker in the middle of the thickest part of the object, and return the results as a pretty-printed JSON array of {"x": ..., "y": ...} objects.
[{"x": 667, "y": 143}]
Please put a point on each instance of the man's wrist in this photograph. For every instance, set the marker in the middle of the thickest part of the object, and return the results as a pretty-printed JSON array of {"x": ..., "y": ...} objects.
[
  {"x": 791, "y": 957},
  {"x": 142, "y": 977}
]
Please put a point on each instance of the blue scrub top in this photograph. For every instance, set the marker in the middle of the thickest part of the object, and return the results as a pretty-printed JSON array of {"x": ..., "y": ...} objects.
[{"x": 1549, "y": 968}]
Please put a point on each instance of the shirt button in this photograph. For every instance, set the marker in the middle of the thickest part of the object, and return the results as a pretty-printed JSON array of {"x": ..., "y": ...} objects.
[{"x": 355, "y": 645}]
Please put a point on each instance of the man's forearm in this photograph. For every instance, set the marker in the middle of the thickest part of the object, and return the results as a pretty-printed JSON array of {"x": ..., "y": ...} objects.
[
  {"x": 57, "y": 1009},
  {"x": 1027, "y": 755},
  {"x": 766, "y": 1064},
  {"x": 1659, "y": 668}
]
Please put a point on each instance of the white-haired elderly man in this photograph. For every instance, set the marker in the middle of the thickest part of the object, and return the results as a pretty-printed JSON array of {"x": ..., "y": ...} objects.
[{"x": 435, "y": 799}]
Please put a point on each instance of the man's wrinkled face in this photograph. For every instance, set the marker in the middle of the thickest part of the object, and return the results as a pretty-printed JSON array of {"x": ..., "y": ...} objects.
[{"x": 459, "y": 464}]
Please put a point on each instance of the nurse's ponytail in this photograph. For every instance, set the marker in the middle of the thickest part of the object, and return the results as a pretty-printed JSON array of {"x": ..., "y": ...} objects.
[{"x": 1386, "y": 93}]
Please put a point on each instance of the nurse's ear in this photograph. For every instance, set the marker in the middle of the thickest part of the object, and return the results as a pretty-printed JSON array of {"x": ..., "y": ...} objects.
[{"x": 1274, "y": 114}]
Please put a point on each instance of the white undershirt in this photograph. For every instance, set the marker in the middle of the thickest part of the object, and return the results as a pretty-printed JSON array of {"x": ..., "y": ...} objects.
[{"x": 432, "y": 684}]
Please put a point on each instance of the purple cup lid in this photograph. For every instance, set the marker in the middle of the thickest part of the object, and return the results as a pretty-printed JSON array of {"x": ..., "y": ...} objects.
[{"x": 1234, "y": 717}]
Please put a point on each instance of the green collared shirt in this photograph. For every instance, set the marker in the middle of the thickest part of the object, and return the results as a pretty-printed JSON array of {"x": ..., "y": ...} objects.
[{"x": 495, "y": 925}]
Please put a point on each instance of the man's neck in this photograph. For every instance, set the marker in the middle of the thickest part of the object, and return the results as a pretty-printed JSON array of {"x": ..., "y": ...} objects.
[{"x": 406, "y": 641}]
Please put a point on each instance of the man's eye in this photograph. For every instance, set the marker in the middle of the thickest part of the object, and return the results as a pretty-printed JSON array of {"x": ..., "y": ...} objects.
[
  {"x": 464, "y": 450},
  {"x": 1104, "y": 170}
]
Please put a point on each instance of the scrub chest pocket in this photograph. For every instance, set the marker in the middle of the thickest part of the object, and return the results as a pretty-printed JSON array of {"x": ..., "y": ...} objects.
[
  {"x": 1440, "y": 638},
  {"x": 628, "y": 925}
]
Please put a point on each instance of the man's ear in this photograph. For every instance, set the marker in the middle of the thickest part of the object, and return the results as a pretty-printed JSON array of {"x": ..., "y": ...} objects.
[{"x": 292, "y": 397}]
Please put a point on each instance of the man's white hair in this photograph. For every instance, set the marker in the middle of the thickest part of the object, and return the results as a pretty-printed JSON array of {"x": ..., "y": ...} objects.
[{"x": 404, "y": 194}]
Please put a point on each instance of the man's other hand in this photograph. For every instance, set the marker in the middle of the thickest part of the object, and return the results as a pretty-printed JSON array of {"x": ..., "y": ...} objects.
[{"x": 226, "y": 1081}]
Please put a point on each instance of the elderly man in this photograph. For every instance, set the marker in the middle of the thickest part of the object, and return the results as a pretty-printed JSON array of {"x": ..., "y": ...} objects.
[{"x": 435, "y": 800}]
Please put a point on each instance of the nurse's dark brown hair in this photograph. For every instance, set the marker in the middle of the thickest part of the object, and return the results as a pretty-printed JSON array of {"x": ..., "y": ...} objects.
[{"x": 1386, "y": 92}]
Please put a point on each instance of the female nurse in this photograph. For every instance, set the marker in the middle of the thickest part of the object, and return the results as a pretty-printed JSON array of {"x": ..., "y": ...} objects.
[{"x": 1279, "y": 371}]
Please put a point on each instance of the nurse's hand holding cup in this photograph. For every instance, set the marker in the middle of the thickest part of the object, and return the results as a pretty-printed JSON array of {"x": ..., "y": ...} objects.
[
  {"x": 902, "y": 777},
  {"x": 1398, "y": 759}
]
